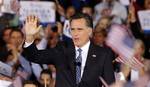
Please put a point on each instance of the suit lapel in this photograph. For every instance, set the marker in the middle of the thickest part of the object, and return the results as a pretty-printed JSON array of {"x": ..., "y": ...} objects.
[{"x": 91, "y": 58}]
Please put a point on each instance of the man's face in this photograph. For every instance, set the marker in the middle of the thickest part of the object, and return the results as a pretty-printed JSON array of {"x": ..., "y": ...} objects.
[
  {"x": 98, "y": 38},
  {"x": 45, "y": 79},
  {"x": 103, "y": 23},
  {"x": 6, "y": 35},
  {"x": 53, "y": 40},
  {"x": 80, "y": 32},
  {"x": 70, "y": 11},
  {"x": 87, "y": 10},
  {"x": 147, "y": 4},
  {"x": 16, "y": 38}
]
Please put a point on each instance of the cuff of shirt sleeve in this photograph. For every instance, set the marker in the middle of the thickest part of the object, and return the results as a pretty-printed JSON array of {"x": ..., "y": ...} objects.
[{"x": 27, "y": 44}]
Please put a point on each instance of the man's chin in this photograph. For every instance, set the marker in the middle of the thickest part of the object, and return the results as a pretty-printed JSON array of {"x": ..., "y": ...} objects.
[
  {"x": 44, "y": 86},
  {"x": 76, "y": 44}
]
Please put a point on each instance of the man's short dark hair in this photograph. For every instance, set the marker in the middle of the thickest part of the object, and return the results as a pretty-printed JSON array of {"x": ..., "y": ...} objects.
[
  {"x": 30, "y": 82},
  {"x": 5, "y": 29},
  {"x": 87, "y": 18},
  {"x": 47, "y": 71},
  {"x": 17, "y": 30}
]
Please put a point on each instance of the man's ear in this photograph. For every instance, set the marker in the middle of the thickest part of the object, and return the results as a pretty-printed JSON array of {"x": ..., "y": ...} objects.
[{"x": 90, "y": 32}]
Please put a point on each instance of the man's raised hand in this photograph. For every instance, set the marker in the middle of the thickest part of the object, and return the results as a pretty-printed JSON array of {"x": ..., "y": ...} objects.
[{"x": 31, "y": 26}]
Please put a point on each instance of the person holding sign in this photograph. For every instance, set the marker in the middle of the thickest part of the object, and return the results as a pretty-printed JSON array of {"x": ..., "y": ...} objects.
[{"x": 136, "y": 30}]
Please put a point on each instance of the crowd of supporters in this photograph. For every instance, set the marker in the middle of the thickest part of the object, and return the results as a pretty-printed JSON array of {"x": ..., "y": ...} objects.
[{"x": 104, "y": 13}]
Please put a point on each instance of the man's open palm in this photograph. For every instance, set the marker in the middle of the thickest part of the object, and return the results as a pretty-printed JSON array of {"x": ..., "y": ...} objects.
[{"x": 31, "y": 27}]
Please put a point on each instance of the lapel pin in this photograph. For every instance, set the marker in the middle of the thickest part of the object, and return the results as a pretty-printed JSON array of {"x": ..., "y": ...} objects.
[{"x": 93, "y": 55}]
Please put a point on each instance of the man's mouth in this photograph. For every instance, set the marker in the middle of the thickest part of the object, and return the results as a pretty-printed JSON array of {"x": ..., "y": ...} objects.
[{"x": 76, "y": 39}]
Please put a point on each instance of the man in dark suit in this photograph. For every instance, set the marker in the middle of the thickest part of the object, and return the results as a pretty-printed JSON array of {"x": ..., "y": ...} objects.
[{"x": 79, "y": 63}]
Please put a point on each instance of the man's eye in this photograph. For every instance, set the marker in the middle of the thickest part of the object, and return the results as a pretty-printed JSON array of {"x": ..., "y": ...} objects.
[
  {"x": 80, "y": 28},
  {"x": 72, "y": 29}
]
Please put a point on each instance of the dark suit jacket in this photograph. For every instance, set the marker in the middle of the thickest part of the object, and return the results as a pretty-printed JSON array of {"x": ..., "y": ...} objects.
[{"x": 98, "y": 63}]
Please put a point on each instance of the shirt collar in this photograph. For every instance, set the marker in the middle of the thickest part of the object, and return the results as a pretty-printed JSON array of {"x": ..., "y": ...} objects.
[{"x": 85, "y": 47}]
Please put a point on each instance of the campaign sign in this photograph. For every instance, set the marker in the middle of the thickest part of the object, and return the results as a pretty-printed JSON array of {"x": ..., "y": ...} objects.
[
  {"x": 44, "y": 10},
  {"x": 144, "y": 17}
]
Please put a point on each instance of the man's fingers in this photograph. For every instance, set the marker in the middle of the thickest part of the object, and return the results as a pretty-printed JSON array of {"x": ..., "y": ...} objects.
[
  {"x": 27, "y": 19},
  {"x": 31, "y": 25},
  {"x": 31, "y": 19},
  {"x": 35, "y": 20},
  {"x": 39, "y": 27}
]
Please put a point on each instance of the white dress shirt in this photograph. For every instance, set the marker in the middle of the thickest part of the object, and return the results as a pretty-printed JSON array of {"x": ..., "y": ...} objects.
[
  {"x": 84, "y": 53},
  {"x": 27, "y": 44},
  {"x": 40, "y": 46}
]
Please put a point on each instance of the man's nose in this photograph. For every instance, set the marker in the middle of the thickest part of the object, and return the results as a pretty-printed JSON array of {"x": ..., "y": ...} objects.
[{"x": 75, "y": 32}]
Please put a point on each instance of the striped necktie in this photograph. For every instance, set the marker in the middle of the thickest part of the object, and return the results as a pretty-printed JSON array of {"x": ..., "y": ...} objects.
[{"x": 78, "y": 66}]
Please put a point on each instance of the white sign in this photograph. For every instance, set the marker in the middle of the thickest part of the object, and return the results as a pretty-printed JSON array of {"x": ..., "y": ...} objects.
[
  {"x": 6, "y": 7},
  {"x": 144, "y": 17},
  {"x": 5, "y": 69},
  {"x": 45, "y": 11},
  {"x": 4, "y": 83},
  {"x": 66, "y": 29},
  {"x": 125, "y": 2}
]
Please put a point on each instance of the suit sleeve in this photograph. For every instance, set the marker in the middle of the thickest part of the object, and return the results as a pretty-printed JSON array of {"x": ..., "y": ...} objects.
[{"x": 48, "y": 56}]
